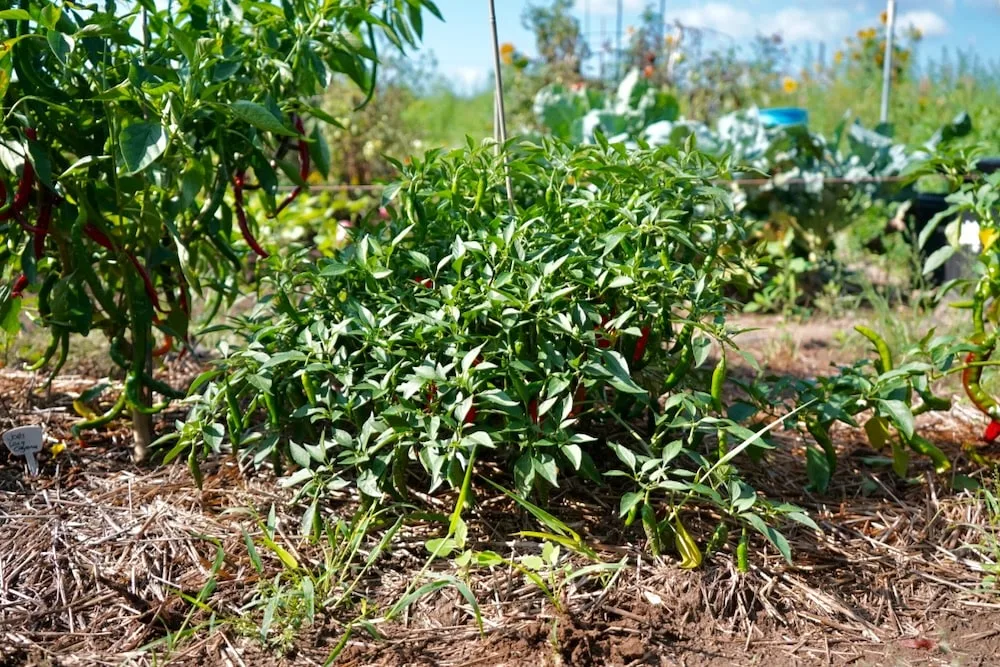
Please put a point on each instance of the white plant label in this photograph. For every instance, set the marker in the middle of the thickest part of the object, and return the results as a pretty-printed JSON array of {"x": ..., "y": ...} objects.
[{"x": 25, "y": 441}]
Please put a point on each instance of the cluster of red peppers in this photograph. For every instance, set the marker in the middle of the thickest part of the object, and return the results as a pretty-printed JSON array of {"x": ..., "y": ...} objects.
[
  {"x": 240, "y": 185},
  {"x": 48, "y": 200},
  {"x": 17, "y": 208},
  {"x": 973, "y": 371}
]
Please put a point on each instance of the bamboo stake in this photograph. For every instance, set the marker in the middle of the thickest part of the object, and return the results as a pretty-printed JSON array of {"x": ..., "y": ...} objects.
[
  {"x": 499, "y": 113},
  {"x": 887, "y": 62}
]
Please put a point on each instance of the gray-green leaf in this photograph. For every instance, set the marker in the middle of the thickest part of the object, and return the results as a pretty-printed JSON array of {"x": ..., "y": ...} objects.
[
  {"x": 259, "y": 117},
  {"x": 141, "y": 145}
]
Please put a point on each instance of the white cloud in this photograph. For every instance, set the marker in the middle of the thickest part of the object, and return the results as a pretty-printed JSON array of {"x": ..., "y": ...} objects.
[
  {"x": 797, "y": 25},
  {"x": 610, "y": 7},
  {"x": 929, "y": 23},
  {"x": 718, "y": 16},
  {"x": 468, "y": 79},
  {"x": 793, "y": 23}
]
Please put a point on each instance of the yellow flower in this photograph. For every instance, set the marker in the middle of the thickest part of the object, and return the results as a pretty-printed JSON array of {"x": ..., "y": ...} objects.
[
  {"x": 838, "y": 57},
  {"x": 884, "y": 17},
  {"x": 507, "y": 53},
  {"x": 670, "y": 41},
  {"x": 789, "y": 85},
  {"x": 630, "y": 30}
]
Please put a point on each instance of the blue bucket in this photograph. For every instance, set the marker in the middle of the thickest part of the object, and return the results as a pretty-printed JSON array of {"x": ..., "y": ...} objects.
[{"x": 784, "y": 117}]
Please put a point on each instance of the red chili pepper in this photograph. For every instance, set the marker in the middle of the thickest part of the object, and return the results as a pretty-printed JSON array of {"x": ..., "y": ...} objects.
[
  {"x": 102, "y": 239},
  {"x": 470, "y": 416},
  {"x": 25, "y": 187},
  {"x": 97, "y": 236},
  {"x": 241, "y": 216},
  {"x": 424, "y": 282},
  {"x": 992, "y": 432},
  {"x": 30, "y": 133},
  {"x": 44, "y": 220},
  {"x": 533, "y": 410},
  {"x": 640, "y": 346},
  {"x": 168, "y": 344},
  {"x": 19, "y": 285},
  {"x": 304, "y": 165},
  {"x": 147, "y": 282}
]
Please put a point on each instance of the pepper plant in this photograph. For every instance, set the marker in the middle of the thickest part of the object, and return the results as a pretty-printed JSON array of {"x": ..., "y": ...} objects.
[
  {"x": 541, "y": 338},
  {"x": 131, "y": 134}
]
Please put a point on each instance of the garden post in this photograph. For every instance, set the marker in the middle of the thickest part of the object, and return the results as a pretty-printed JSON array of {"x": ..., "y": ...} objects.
[{"x": 887, "y": 64}]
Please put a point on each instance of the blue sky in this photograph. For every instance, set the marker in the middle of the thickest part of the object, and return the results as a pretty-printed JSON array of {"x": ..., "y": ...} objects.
[{"x": 462, "y": 44}]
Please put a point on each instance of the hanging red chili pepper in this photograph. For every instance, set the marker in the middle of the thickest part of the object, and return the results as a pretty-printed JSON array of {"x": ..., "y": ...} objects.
[
  {"x": 304, "y": 164},
  {"x": 25, "y": 187},
  {"x": 100, "y": 238},
  {"x": 241, "y": 215},
  {"x": 19, "y": 285},
  {"x": 992, "y": 432},
  {"x": 640, "y": 346},
  {"x": 44, "y": 220},
  {"x": 168, "y": 344}
]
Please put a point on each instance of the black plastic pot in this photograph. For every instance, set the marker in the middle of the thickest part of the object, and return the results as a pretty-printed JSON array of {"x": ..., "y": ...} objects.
[{"x": 925, "y": 206}]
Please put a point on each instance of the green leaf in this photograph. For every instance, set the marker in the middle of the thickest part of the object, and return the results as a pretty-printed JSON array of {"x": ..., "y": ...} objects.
[
  {"x": 899, "y": 414},
  {"x": 14, "y": 15},
  {"x": 621, "y": 380},
  {"x": 61, "y": 45},
  {"x": 260, "y": 117},
  {"x": 773, "y": 536},
  {"x": 937, "y": 258},
  {"x": 629, "y": 500},
  {"x": 141, "y": 145}
]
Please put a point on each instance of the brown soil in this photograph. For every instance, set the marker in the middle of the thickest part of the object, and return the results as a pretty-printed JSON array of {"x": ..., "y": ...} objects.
[{"x": 99, "y": 560}]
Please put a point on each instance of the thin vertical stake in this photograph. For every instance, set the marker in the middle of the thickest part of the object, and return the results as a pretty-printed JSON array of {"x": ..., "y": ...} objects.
[
  {"x": 500, "y": 115},
  {"x": 619, "y": 55},
  {"x": 887, "y": 61},
  {"x": 662, "y": 46}
]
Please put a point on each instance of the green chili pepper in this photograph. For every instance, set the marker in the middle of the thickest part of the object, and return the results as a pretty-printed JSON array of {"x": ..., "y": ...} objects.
[
  {"x": 101, "y": 420},
  {"x": 83, "y": 266},
  {"x": 742, "y": 562},
  {"x": 50, "y": 351},
  {"x": 309, "y": 388},
  {"x": 718, "y": 379},
  {"x": 884, "y": 355},
  {"x": 272, "y": 409},
  {"x": 650, "y": 525},
  {"x": 924, "y": 447},
  {"x": 399, "y": 464}
]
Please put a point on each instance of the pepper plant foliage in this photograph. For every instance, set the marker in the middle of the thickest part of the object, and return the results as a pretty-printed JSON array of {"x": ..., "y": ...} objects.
[
  {"x": 542, "y": 338},
  {"x": 125, "y": 123}
]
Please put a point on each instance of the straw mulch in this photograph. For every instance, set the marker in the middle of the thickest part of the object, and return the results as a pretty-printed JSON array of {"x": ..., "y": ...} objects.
[{"x": 100, "y": 561}]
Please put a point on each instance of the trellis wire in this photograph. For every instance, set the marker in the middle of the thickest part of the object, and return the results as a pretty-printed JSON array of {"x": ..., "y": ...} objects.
[{"x": 741, "y": 182}]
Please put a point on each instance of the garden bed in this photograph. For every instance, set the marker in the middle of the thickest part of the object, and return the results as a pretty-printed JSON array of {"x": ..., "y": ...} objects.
[{"x": 102, "y": 561}]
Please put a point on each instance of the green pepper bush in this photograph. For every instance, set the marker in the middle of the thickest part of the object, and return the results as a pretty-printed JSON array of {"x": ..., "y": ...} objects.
[{"x": 542, "y": 337}]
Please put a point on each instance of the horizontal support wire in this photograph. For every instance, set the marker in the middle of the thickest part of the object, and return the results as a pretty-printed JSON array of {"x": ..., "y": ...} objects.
[{"x": 742, "y": 182}]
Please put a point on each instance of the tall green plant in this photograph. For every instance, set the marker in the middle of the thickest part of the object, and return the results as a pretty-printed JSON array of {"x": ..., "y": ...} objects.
[{"x": 125, "y": 126}]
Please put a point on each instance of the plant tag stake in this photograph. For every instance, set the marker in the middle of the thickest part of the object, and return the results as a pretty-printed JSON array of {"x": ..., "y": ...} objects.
[{"x": 25, "y": 441}]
